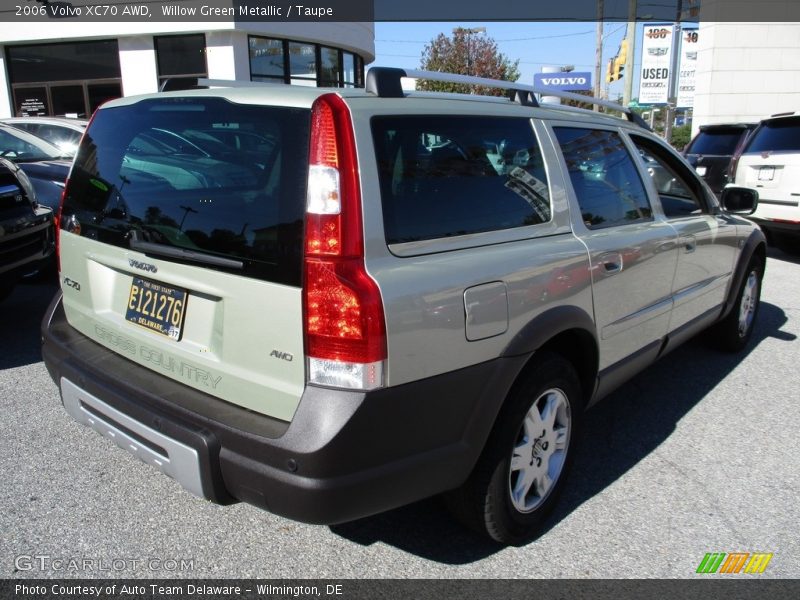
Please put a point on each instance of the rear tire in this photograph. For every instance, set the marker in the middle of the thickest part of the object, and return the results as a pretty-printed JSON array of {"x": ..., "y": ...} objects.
[
  {"x": 521, "y": 472},
  {"x": 734, "y": 332}
]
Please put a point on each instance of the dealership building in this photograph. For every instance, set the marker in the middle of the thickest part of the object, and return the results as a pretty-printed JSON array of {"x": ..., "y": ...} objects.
[
  {"x": 746, "y": 71},
  {"x": 69, "y": 68}
]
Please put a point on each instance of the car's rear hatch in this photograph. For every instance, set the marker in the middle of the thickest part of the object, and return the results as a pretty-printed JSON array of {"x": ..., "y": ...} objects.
[
  {"x": 711, "y": 150},
  {"x": 184, "y": 248},
  {"x": 771, "y": 164}
]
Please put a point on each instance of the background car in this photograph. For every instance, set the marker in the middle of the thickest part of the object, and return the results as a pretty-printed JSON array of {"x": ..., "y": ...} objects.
[
  {"x": 45, "y": 164},
  {"x": 63, "y": 132},
  {"x": 27, "y": 239},
  {"x": 711, "y": 150},
  {"x": 770, "y": 163}
]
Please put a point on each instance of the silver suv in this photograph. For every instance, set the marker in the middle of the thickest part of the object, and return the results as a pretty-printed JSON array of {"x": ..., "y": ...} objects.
[{"x": 329, "y": 303}]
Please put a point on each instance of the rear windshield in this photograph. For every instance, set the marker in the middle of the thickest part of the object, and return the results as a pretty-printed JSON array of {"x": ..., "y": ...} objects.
[
  {"x": 780, "y": 135},
  {"x": 721, "y": 142},
  {"x": 204, "y": 175}
]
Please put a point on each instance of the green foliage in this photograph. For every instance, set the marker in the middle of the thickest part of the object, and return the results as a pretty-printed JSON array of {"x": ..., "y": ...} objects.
[
  {"x": 466, "y": 54},
  {"x": 681, "y": 136}
]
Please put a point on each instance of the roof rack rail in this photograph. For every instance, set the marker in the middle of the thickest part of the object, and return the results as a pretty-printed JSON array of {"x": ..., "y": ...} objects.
[
  {"x": 232, "y": 83},
  {"x": 384, "y": 82}
]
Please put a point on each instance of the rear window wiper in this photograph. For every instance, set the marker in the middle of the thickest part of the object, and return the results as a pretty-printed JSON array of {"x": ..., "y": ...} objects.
[{"x": 184, "y": 254}]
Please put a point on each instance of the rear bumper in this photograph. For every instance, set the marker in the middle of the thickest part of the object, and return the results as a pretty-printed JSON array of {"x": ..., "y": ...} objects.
[
  {"x": 345, "y": 455},
  {"x": 782, "y": 228},
  {"x": 25, "y": 247}
]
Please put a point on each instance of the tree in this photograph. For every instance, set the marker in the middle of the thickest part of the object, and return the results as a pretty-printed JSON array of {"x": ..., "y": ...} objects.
[
  {"x": 681, "y": 136},
  {"x": 466, "y": 54}
]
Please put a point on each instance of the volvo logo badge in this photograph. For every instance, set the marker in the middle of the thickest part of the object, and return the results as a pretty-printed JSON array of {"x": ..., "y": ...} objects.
[{"x": 142, "y": 266}]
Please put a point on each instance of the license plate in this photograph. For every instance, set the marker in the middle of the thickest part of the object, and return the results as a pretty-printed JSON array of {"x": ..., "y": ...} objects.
[
  {"x": 766, "y": 173},
  {"x": 701, "y": 171},
  {"x": 156, "y": 307}
]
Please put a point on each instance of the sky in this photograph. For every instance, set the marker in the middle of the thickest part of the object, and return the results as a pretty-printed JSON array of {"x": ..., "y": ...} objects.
[{"x": 535, "y": 44}]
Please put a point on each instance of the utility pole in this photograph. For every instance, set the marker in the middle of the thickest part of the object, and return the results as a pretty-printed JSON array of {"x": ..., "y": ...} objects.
[
  {"x": 598, "y": 58},
  {"x": 468, "y": 33},
  {"x": 672, "y": 99},
  {"x": 630, "y": 36}
]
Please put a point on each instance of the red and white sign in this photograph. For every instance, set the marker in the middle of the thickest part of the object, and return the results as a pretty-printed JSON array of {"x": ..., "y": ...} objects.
[
  {"x": 656, "y": 60},
  {"x": 687, "y": 68}
]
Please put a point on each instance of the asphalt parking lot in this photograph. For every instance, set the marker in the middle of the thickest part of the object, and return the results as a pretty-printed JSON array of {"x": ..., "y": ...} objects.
[{"x": 698, "y": 454}]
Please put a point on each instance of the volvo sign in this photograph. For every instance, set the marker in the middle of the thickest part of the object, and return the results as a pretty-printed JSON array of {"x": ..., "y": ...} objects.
[{"x": 573, "y": 81}]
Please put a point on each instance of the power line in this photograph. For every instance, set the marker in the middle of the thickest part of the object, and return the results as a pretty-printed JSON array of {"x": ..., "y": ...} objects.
[{"x": 524, "y": 39}]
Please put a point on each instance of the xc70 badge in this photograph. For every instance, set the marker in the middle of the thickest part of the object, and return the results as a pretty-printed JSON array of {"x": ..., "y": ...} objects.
[{"x": 72, "y": 283}]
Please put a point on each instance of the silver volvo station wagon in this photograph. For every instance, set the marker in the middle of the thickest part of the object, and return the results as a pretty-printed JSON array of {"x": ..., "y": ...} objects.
[{"x": 332, "y": 302}]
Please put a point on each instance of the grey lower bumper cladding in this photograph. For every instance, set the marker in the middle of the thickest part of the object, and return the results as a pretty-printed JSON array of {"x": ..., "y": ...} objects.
[
  {"x": 345, "y": 455},
  {"x": 169, "y": 456}
]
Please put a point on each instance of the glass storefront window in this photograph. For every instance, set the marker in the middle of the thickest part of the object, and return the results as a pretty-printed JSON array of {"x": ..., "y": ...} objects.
[
  {"x": 63, "y": 61},
  {"x": 181, "y": 60},
  {"x": 302, "y": 61},
  {"x": 349, "y": 69},
  {"x": 328, "y": 67},
  {"x": 308, "y": 64},
  {"x": 266, "y": 59}
]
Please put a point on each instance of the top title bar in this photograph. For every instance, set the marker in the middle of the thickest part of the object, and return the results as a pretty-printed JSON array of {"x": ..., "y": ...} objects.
[{"x": 394, "y": 10}]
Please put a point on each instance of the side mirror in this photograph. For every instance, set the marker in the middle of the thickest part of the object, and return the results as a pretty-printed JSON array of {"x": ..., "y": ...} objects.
[{"x": 739, "y": 200}]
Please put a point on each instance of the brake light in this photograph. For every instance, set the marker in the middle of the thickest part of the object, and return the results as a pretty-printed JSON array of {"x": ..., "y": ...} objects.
[
  {"x": 345, "y": 334},
  {"x": 72, "y": 225},
  {"x": 57, "y": 224}
]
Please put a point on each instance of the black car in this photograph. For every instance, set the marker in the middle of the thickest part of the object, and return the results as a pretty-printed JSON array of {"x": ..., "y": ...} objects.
[
  {"x": 711, "y": 150},
  {"x": 45, "y": 164},
  {"x": 26, "y": 228}
]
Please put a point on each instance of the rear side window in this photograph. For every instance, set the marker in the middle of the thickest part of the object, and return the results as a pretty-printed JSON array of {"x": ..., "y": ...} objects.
[
  {"x": 716, "y": 142},
  {"x": 780, "y": 135},
  {"x": 444, "y": 176},
  {"x": 606, "y": 181},
  {"x": 221, "y": 180}
]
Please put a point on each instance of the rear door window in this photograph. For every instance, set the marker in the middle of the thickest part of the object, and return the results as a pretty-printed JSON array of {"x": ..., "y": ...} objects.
[
  {"x": 606, "y": 181},
  {"x": 202, "y": 175},
  {"x": 444, "y": 176},
  {"x": 779, "y": 135}
]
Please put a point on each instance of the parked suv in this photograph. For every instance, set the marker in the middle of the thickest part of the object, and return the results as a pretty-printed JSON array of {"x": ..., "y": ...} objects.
[
  {"x": 710, "y": 152},
  {"x": 770, "y": 163},
  {"x": 385, "y": 296},
  {"x": 26, "y": 228}
]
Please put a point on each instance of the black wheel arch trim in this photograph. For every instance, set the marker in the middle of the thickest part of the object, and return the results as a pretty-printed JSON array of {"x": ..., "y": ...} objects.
[
  {"x": 546, "y": 326},
  {"x": 755, "y": 240},
  {"x": 547, "y": 330}
]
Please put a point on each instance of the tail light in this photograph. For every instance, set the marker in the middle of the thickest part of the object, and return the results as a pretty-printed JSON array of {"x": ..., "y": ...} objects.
[
  {"x": 57, "y": 224},
  {"x": 345, "y": 334},
  {"x": 71, "y": 224}
]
